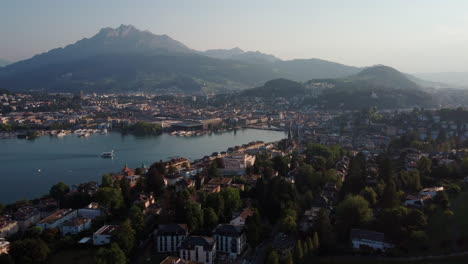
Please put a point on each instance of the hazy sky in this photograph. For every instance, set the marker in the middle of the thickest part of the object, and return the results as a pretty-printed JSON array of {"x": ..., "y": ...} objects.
[{"x": 411, "y": 35}]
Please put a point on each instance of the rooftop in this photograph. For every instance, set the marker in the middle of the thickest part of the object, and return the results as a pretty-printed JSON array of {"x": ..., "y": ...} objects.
[
  {"x": 191, "y": 242},
  {"x": 106, "y": 230},
  {"x": 56, "y": 216}
]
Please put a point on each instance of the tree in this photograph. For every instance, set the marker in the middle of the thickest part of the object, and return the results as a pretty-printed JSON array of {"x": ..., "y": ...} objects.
[
  {"x": 315, "y": 241},
  {"x": 29, "y": 251},
  {"x": 213, "y": 171},
  {"x": 253, "y": 228},
  {"x": 136, "y": 218},
  {"x": 298, "y": 252},
  {"x": 369, "y": 194},
  {"x": 6, "y": 259},
  {"x": 50, "y": 235},
  {"x": 442, "y": 199},
  {"x": 356, "y": 178},
  {"x": 155, "y": 178},
  {"x": 424, "y": 166},
  {"x": 352, "y": 212},
  {"x": 110, "y": 198},
  {"x": 390, "y": 197},
  {"x": 210, "y": 218},
  {"x": 111, "y": 255},
  {"x": 280, "y": 164},
  {"x": 125, "y": 237},
  {"x": 2, "y": 207},
  {"x": 325, "y": 230},
  {"x": 194, "y": 215},
  {"x": 232, "y": 201},
  {"x": 59, "y": 190},
  {"x": 216, "y": 201},
  {"x": 106, "y": 180},
  {"x": 288, "y": 259},
  {"x": 272, "y": 258}
]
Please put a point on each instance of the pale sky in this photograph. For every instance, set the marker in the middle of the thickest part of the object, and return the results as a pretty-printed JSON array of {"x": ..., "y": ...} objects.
[{"x": 410, "y": 35}]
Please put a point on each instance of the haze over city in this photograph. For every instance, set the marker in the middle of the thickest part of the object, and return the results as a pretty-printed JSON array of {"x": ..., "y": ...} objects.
[{"x": 412, "y": 36}]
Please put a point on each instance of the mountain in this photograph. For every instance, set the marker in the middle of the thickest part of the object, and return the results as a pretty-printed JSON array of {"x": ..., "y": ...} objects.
[
  {"x": 240, "y": 55},
  {"x": 453, "y": 79},
  {"x": 125, "y": 59},
  {"x": 4, "y": 62},
  {"x": 306, "y": 69},
  {"x": 276, "y": 88},
  {"x": 380, "y": 86},
  {"x": 122, "y": 40}
]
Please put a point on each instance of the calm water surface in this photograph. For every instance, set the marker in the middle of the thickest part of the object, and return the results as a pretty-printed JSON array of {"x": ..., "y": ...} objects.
[{"x": 30, "y": 167}]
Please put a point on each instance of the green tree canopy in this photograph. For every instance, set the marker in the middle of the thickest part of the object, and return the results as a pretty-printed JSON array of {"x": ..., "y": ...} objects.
[
  {"x": 210, "y": 218},
  {"x": 59, "y": 190},
  {"x": 125, "y": 237},
  {"x": 110, "y": 197},
  {"x": 352, "y": 212},
  {"x": 29, "y": 251},
  {"x": 111, "y": 255},
  {"x": 272, "y": 258}
]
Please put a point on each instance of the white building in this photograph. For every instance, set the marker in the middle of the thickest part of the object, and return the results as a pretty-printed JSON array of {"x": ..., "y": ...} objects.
[
  {"x": 240, "y": 218},
  {"x": 4, "y": 246},
  {"x": 230, "y": 239},
  {"x": 167, "y": 237},
  {"x": 8, "y": 228},
  {"x": 27, "y": 216},
  {"x": 432, "y": 192},
  {"x": 104, "y": 234},
  {"x": 364, "y": 238},
  {"x": 91, "y": 211},
  {"x": 236, "y": 163},
  {"x": 75, "y": 226},
  {"x": 198, "y": 249},
  {"x": 56, "y": 219},
  {"x": 417, "y": 200}
]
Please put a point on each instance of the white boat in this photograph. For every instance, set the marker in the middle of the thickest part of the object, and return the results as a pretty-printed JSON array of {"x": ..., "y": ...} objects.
[
  {"x": 61, "y": 134},
  {"x": 107, "y": 155}
]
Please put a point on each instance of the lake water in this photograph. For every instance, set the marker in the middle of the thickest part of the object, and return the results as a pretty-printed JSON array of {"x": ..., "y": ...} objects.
[{"x": 28, "y": 168}]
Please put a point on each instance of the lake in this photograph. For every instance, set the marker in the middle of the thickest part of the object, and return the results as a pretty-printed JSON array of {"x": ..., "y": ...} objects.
[{"x": 30, "y": 167}]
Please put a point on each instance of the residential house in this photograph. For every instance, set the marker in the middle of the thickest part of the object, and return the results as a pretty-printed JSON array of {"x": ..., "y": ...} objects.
[
  {"x": 176, "y": 260},
  {"x": 146, "y": 200},
  {"x": 167, "y": 237},
  {"x": 8, "y": 228},
  {"x": 26, "y": 216},
  {"x": 4, "y": 246},
  {"x": 309, "y": 219},
  {"x": 418, "y": 201},
  {"x": 104, "y": 234},
  {"x": 184, "y": 184},
  {"x": 211, "y": 188},
  {"x": 230, "y": 239},
  {"x": 364, "y": 238},
  {"x": 240, "y": 218},
  {"x": 56, "y": 219},
  {"x": 432, "y": 192},
  {"x": 91, "y": 211},
  {"x": 75, "y": 226},
  {"x": 198, "y": 248}
]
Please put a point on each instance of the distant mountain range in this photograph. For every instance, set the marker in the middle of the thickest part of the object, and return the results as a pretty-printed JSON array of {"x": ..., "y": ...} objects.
[
  {"x": 4, "y": 62},
  {"x": 126, "y": 59},
  {"x": 379, "y": 86},
  {"x": 453, "y": 79}
]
